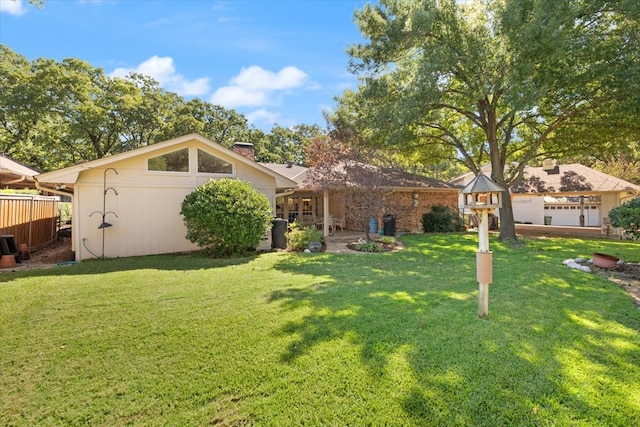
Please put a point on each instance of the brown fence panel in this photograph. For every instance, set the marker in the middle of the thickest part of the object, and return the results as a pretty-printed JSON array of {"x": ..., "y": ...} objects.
[{"x": 29, "y": 219}]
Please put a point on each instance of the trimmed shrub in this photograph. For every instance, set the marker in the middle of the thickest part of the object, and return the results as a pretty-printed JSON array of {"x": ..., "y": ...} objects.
[
  {"x": 299, "y": 238},
  {"x": 627, "y": 217},
  {"x": 226, "y": 217},
  {"x": 441, "y": 219}
]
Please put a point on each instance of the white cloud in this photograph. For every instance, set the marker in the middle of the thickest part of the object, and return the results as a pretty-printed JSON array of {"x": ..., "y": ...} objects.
[
  {"x": 262, "y": 116},
  {"x": 163, "y": 71},
  {"x": 12, "y": 7},
  {"x": 236, "y": 96},
  {"x": 257, "y": 78},
  {"x": 255, "y": 86}
]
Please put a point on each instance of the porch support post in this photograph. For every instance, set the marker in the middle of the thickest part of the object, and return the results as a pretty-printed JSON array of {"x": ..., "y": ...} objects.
[{"x": 325, "y": 213}]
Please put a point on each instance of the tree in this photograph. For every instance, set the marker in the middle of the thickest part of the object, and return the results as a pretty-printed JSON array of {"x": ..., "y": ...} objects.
[
  {"x": 348, "y": 173},
  {"x": 284, "y": 145},
  {"x": 54, "y": 114},
  {"x": 627, "y": 217},
  {"x": 497, "y": 81},
  {"x": 227, "y": 217}
]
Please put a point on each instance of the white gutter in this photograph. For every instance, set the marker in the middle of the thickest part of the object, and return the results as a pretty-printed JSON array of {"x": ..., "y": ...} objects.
[{"x": 53, "y": 190}]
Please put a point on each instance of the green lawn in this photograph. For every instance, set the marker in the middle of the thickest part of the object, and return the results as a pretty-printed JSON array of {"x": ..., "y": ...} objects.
[{"x": 323, "y": 339}]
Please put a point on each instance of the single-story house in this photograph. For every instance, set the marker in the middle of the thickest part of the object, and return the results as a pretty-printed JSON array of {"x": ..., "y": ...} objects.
[
  {"x": 566, "y": 195},
  {"x": 407, "y": 197},
  {"x": 15, "y": 175},
  {"x": 129, "y": 204}
]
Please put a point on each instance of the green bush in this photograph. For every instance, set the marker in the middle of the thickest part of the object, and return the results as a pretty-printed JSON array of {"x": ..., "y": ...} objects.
[
  {"x": 627, "y": 217},
  {"x": 16, "y": 191},
  {"x": 368, "y": 247},
  {"x": 226, "y": 217},
  {"x": 64, "y": 211},
  {"x": 387, "y": 240},
  {"x": 441, "y": 219},
  {"x": 298, "y": 238}
]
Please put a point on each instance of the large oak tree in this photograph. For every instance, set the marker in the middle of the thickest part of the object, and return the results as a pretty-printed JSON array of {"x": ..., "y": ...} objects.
[
  {"x": 55, "y": 113},
  {"x": 504, "y": 82}
]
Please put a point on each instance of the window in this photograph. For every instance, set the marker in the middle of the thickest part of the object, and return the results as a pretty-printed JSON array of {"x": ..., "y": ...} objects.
[
  {"x": 208, "y": 163},
  {"x": 176, "y": 161}
]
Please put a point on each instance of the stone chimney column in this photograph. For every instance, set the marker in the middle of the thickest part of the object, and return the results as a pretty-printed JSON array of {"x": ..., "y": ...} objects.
[{"x": 245, "y": 149}]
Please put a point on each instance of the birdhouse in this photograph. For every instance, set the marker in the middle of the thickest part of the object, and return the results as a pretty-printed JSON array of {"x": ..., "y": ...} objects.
[{"x": 482, "y": 193}]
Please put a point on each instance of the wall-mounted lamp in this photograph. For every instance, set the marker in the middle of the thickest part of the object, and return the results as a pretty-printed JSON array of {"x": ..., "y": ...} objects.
[{"x": 415, "y": 199}]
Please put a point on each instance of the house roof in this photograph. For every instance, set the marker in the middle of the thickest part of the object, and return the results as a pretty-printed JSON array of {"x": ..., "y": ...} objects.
[
  {"x": 15, "y": 174},
  {"x": 295, "y": 173},
  {"x": 571, "y": 178},
  {"x": 68, "y": 176},
  {"x": 386, "y": 177}
]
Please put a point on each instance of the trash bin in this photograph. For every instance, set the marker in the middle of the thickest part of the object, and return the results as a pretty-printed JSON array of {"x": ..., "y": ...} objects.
[
  {"x": 389, "y": 221},
  {"x": 373, "y": 225},
  {"x": 547, "y": 220},
  {"x": 278, "y": 239}
]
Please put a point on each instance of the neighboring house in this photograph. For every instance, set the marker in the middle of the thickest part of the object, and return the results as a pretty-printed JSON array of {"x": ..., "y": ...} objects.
[
  {"x": 407, "y": 198},
  {"x": 566, "y": 195},
  {"x": 15, "y": 175},
  {"x": 138, "y": 194}
]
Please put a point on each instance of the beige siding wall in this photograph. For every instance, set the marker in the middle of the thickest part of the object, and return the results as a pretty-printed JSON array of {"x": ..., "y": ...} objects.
[{"x": 147, "y": 206}]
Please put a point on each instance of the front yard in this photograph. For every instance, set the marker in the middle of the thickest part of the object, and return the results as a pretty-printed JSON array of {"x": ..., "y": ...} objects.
[{"x": 323, "y": 339}]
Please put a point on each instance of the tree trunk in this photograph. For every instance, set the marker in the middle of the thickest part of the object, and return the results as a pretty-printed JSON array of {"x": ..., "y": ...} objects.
[{"x": 507, "y": 224}]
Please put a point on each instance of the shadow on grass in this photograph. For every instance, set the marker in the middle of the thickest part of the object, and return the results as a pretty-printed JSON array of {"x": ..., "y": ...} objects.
[
  {"x": 560, "y": 345},
  {"x": 177, "y": 262}
]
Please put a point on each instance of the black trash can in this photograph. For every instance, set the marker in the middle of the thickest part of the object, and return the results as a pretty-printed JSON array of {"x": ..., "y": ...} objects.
[
  {"x": 278, "y": 239},
  {"x": 389, "y": 221}
]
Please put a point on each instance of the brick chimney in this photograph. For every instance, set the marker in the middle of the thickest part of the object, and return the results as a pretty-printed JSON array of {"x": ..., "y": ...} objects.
[{"x": 245, "y": 149}]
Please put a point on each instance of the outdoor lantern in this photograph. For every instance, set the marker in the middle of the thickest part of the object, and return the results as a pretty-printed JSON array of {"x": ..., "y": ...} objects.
[{"x": 482, "y": 196}]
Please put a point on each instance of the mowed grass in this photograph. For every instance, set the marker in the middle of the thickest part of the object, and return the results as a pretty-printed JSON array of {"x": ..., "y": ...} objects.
[{"x": 323, "y": 339}]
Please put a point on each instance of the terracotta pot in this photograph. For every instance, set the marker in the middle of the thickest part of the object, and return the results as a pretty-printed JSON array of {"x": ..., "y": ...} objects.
[
  {"x": 605, "y": 261},
  {"x": 7, "y": 261}
]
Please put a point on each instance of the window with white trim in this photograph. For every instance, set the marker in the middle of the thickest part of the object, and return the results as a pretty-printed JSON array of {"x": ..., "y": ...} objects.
[
  {"x": 175, "y": 161},
  {"x": 208, "y": 163}
]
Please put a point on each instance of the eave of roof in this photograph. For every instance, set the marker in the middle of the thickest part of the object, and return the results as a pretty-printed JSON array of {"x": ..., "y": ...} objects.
[
  {"x": 388, "y": 178},
  {"x": 69, "y": 176}
]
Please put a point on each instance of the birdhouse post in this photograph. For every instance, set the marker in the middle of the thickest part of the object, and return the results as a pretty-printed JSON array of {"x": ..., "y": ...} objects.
[{"x": 482, "y": 196}]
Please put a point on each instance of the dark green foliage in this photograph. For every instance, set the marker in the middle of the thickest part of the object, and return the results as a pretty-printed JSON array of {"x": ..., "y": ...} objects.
[
  {"x": 227, "y": 217},
  {"x": 441, "y": 219},
  {"x": 368, "y": 247},
  {"x": 299, "y": 237},
  {"x": 627, "y": 217}
]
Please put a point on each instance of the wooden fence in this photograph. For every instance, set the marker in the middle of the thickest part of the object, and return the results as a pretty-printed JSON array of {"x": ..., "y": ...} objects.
[{"x": 29, "y": 219}]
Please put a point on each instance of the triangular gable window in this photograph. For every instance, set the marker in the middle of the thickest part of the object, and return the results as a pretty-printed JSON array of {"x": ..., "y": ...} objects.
[
  {"x": 208, "y": 163},
  {"x": 175, "y": 161}
]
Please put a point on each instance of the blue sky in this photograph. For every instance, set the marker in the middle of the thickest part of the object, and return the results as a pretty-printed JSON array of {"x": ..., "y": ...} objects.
[{"x": 274, "y": 61}]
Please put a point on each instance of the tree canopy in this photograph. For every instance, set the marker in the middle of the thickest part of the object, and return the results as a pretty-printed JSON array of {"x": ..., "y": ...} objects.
[
  {"x": 54, "y": 114},
  {"x": 505, "y": 82}
]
